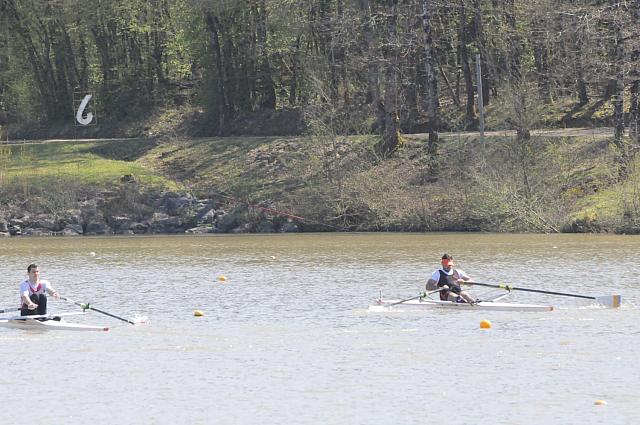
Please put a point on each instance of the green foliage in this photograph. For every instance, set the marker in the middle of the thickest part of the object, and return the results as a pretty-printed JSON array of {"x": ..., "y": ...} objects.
[
  {"x": 143, "y": 54},
  {"x": 326, "y": 59}
]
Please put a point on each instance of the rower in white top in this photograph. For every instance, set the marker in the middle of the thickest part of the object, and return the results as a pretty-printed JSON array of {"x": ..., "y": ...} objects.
[{"x": 33, "y": 293}]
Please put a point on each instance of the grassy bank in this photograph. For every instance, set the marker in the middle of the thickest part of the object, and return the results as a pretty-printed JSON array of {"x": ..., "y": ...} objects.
[
  {"x": 97, "y": 164},
  {"x": 546, "y": 184}
]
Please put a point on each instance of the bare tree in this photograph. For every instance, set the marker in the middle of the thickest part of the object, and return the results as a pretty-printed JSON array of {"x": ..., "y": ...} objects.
[
  {"x": 634, "y": 109},
  {"x": 373, "y": 65},
  {"x": 391, "y": 132},
  {"x": 463, "y": 54},
  {"x": 213, "y": 25},
  {"x": 432, "y": 84}
]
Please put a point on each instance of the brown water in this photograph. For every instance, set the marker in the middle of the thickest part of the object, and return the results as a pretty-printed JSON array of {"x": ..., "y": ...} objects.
[{"x": 288, "y": 337}]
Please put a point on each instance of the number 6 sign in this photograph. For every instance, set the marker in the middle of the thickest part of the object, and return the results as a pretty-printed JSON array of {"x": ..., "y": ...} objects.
[{"x": 81, "y": 118}]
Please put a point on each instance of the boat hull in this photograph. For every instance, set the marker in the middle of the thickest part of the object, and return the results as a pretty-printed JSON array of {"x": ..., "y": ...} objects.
[
  {"x": 427, "y": 304},
  {"x": 48, "y": 325}
]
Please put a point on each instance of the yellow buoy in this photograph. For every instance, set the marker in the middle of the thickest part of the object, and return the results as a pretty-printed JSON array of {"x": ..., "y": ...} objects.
[
  {"x": 485, "y": 324},
  {"x": 198, "y": 313},
  {"x": 599, "y": 402},
  {"x": 222, "y": 278}
]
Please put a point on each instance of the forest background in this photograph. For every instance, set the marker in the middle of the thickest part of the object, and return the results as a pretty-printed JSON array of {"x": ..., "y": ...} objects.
[{"x": 351, "y": 114}]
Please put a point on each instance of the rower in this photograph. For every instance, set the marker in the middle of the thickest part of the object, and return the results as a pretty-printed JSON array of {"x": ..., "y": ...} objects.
[
  {"x": 449, "y": 279},
  {"x": 33, "y": 293}
]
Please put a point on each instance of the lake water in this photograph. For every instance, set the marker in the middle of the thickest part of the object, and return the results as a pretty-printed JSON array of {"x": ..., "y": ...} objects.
[{"x": 288, "y": 339}]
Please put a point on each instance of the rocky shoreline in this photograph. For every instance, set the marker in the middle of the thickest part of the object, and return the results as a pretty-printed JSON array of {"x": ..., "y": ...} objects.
[{"x": 126, "y": 211}]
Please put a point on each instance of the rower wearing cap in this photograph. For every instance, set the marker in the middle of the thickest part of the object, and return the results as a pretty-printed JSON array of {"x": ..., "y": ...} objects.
[{"x": 449, "y": 279}]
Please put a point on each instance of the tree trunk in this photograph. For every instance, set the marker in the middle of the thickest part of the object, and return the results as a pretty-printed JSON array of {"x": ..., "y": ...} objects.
[
  {"x": 634, "y": 109},
  {"x": 295, "y": 73},
  {"x": 432, "y": 86},
  {"x": 158, "y": 40},
  {"x": 267, "y": 86},
  {"x": 391, "y": 132},
  {"x": 541, "y": 58},
  {"x": 64, "y": 76},
  {"x": 373, "y": 67},
  {"x": 463, "y": 54},
  {"x": 326, "y": 44},
  {"x": 618, "y": 100},
  {"x": 340, "y": 61},
  {"x": 484, "y": 54},
  {"x": 105, "y": 38},
  {"x": 634, "y": 113},
  {"x": 213, "y": 26},
  {"x": 515, "y": 50},
  {"x": 581, "y": 84}
]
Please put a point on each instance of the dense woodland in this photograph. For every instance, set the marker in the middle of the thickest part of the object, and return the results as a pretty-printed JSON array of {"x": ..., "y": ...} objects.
[
  {"x": 386, "y": 67},
  {"x": 330, "y": 68}
]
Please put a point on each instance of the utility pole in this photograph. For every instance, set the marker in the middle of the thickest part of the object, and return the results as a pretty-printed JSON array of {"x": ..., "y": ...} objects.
[{"x": 480, "y": 100}]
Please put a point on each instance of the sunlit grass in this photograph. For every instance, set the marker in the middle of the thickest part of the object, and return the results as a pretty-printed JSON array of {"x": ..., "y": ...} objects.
[
  {"x": 222, "y": 163},
  {"x": 32, "y": 163}
]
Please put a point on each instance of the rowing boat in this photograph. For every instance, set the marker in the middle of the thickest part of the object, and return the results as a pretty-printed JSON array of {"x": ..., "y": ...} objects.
[
  {"x": 428, "y": 303},
  {"x": 424, "y": 301},
  {"x": 47, "y": 323}
]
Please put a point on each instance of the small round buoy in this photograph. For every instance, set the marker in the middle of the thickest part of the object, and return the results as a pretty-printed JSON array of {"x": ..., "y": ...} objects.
[
  {"x": 222, "y": 278},
  {"x": 599, "y": 402},
  {"x": 273, "y": 257},
  {"x": 485, "y": 324},
  {"x": 93, "y": 254},
  {"x": 198, "y": 313}
]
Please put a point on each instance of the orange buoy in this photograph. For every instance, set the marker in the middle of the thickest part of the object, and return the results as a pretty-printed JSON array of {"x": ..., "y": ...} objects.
[
  {"x": 599, "y": 402},
  {"x": 222, "y": 278},
  {"x": 485, "y": 324}
]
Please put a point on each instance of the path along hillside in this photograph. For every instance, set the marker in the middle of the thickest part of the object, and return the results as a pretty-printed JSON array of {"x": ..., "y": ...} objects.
[{"x": 559, "y": 180}]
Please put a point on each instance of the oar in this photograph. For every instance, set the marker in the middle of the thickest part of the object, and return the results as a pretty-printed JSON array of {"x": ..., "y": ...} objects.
[
  {"x": 88, "y": 307},
  {"x": 608, "y": 300},
  {"x": 8, "y": 310},
  {"x": 422, "y": 295}
]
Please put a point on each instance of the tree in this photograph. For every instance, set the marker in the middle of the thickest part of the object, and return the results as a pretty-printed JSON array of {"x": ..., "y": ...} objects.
[
  {"x": 221, "y": 102},
  {"x": 479, "y": 36},
  {"x": 432, "y": 103},
  {"x": 391, "y": 131},
  {"x": 463, "y": 54},
  {"x": 617, "y": 46},
  {"x": 634, "y": 109}
]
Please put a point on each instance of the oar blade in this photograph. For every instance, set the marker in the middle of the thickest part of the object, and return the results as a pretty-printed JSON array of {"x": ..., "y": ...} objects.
[
  {"x": 378, "y": 308},
  {"x": 613, "y": 301},
  {"x": 140, "y": 319}
]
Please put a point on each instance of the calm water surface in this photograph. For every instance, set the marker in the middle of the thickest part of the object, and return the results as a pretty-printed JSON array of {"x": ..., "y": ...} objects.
[{"x": 287, "y": 339}]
